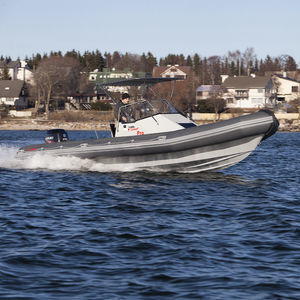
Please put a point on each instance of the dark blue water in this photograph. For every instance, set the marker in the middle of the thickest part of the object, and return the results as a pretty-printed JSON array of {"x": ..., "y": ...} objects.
[{"x": 71, "y": 230}]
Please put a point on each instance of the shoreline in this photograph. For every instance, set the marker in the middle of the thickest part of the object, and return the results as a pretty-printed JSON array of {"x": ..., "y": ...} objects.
[{"x": 43, "y": 125}]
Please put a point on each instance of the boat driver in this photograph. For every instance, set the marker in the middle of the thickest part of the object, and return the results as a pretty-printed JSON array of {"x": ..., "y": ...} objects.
[{"x": 123, "y": 110}]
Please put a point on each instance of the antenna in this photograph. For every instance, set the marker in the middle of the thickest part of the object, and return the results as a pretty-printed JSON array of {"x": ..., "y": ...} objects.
[
  {"x": 93, "y": 121},
  {"x": 172, "y": 92}
]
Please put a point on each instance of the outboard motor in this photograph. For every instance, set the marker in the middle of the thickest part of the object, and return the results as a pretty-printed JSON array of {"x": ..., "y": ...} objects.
[{"x": 56, "y": 136}]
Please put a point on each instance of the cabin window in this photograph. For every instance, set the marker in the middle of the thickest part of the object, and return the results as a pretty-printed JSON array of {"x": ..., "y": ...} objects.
[{"x": 295, "y": 89}]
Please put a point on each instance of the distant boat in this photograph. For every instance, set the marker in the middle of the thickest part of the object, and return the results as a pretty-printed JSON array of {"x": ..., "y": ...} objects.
[{"x": 158, "y": 137}]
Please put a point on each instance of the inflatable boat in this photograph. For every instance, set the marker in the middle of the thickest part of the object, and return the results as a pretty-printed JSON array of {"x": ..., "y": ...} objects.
[{"x": 158, "y": 137}]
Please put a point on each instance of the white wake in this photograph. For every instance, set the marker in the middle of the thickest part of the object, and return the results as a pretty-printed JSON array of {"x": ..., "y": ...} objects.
[{"x": 9, "y": 160}]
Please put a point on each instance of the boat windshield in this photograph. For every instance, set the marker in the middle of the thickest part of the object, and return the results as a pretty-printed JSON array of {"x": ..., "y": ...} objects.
[{"x": 146, "y": 108}]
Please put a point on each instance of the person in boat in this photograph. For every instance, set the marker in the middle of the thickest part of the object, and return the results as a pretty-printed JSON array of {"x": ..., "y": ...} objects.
[{"x": 123, "y": 111}]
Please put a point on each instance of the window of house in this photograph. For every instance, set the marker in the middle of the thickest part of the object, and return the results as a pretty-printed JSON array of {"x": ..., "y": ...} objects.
[
  {"x": 230, "y": 100},
  {"x": 199, "y": 93},
  {"x": 295, "y": 89},
  {"x": 241, "y": 92},
  {"x": 260, "y": 91}
]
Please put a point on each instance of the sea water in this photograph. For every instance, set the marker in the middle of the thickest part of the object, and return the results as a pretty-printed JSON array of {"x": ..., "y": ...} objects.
[{"x": 73, "y": 229}]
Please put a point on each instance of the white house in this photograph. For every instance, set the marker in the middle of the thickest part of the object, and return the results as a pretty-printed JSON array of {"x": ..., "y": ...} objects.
[
  {"x": 12, "y": 93},
  {"x": 249, "y": 91},
  {"x": 18, "y": 70},
  {"x": 287, "y": 89},
  {"x": 172, "y": 71}
]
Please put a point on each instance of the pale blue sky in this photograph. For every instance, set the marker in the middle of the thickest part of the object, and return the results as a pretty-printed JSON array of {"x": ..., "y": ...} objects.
[{"x": 211, "y": 27}]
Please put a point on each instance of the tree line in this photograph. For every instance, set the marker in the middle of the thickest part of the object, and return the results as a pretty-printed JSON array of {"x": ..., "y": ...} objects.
[
  {"x": 58, "y": 75},
  {"x": 207, "y": 70}
]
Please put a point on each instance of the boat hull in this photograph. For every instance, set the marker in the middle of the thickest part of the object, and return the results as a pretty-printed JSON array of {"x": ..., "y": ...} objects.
[{"x": 202, "y": 148}]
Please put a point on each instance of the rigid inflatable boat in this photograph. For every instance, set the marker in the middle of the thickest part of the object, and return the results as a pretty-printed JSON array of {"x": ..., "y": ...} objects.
[{"x": 158, "y": 137}]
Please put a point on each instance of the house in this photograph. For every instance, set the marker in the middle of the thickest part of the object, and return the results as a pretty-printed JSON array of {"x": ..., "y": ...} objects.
[
  {"x": 13, "y": 93},
  {"x": 172, "y": 71},
  {"x": 108, "y": 75},
  {"x": 83, "y": 101},
  {"x": 287, "y": 89},
  {"x": 18, "y": 70},
  {"x": 249, "y": 91},
  {"x": 294, "y": 75},
  {"x": 205, "y": 92}
]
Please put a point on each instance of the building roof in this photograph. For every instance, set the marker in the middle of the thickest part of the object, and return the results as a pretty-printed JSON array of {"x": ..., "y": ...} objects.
[
  {"x": 286, "y": 78},
  {"x": 11, "y": 88},
  {"x": 294, "y": 75},
  {"x": 246, "y": 82},
  {"x": 157, "y": 71}
]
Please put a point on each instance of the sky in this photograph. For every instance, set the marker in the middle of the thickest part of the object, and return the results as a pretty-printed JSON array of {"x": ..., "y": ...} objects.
[{"x": 206, "y": 27}]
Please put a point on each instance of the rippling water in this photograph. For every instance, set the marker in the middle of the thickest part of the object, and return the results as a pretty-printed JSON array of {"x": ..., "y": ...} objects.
[{"x": 73, "y": 230}]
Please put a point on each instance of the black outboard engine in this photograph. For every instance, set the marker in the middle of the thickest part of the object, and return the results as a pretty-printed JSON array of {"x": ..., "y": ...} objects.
[{"x": 56, "y": 136}]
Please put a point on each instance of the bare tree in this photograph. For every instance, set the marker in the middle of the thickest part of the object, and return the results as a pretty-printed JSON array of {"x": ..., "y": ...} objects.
[
  {"x": 216, "y": 100},
  {"x": 56, "y": 76},
  {"x": 249, "y": 56},
  {"x": 213, "y": 69}
]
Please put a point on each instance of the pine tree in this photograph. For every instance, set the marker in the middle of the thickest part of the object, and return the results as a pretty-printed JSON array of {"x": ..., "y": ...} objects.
[
  {"x": 290, "y": 64},
  {"x": 233, "y": 70},
  {"x": 4, "y": 75},
  {"x": 196, "y": 63},
  {"x": 151, "y": 62},
  {"x": 108, "y": 62},
  {"x": 189, "y": 61}
]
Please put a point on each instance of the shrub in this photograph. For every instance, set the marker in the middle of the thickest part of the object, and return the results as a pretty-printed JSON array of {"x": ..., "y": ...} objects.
[
  {"x": 4, "y": 108},
  {"x": 211, "y": 106},
  {"x": 104, "y": 106},
  {"x": 81, "y": 116}
]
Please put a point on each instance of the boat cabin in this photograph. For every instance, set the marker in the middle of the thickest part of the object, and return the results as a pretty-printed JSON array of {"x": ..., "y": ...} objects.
[{"x": 147, "y": 115}]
